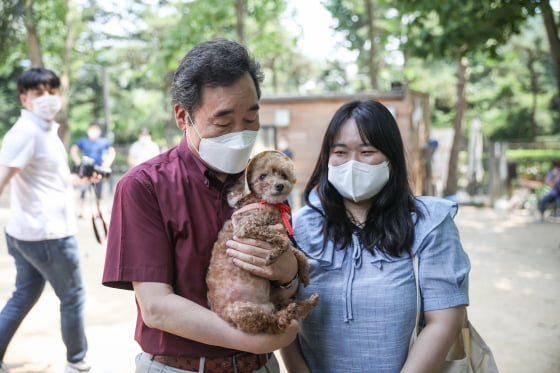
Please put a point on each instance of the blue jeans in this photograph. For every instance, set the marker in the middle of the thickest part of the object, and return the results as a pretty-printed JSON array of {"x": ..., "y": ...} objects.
[
  {"x": 97, "y": 187},
  {"x": 57, "y": 262},
  {"x": 552, "y": 196}
]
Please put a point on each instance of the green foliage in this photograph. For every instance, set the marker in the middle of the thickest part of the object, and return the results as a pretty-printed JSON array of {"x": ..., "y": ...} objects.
[
  {"x": 10, "y": 105},
  {"x": 351, "y": 21},
  {"x": 513, "y": 90},
  {"x": 509, "y": 87},
  {"x": 10, "y": 34},
  {"x": 533, "y": 155},
  {"x": 533, "y": 163},
  {"x": 456, "y": 28},
  {"x": 139, "y": 44}
]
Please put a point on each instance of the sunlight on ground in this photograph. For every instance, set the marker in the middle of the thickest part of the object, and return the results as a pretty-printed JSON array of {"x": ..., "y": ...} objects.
[{"x": 503, "y": 284}]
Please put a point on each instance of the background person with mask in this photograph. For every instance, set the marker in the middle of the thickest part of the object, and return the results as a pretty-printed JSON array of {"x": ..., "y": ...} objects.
[
  {"x": 167, "y": 213},
  {"x": 42, "y": 224},
  {"x": 99, "y": 149},
  {"x": 142, "y": 149},
  {"x": 359, "y": 227}
]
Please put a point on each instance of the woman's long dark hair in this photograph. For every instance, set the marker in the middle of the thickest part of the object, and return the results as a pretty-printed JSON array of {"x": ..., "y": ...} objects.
[{"x": 389, "y": 225}]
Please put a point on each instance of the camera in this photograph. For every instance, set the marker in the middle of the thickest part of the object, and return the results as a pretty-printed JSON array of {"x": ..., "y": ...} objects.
[{"x": 88, "y": 167}]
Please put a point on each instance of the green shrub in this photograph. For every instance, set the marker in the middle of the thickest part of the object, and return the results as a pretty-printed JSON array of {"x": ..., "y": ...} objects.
[{"x": 533, "y": 163}]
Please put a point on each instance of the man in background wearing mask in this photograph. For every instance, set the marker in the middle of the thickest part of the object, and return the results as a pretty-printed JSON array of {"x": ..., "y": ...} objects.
[
  {"x": 142, "y": 149},
  {"x": 167, "y": 213},
  {"x": 99, "y": 149},
  {"x": 40, "y": 231}
]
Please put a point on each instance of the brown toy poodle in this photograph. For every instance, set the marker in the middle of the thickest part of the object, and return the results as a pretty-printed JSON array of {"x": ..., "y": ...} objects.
[{"x": 253, "y": 304}]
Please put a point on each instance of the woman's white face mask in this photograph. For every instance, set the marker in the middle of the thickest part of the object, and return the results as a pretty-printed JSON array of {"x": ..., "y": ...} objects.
[
  {"x": 228, "y": 153},
  {"x": 359, "y": 181}
]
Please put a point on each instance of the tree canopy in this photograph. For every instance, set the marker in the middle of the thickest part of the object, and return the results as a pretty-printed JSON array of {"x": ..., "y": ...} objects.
[{"x": 119, "y": 56}]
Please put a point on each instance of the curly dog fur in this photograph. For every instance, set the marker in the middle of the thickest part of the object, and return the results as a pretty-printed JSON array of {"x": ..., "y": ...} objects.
[{"x": 246, "y": 301}]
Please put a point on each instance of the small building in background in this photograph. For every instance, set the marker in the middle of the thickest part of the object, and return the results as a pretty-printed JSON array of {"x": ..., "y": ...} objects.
[{"x": 302, "y": 120}]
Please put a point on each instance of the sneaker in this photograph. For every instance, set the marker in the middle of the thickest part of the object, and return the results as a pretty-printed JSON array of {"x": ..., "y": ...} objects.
[
  {"x": 77, "y": 367},
  {"x": 3, "y": 368}
]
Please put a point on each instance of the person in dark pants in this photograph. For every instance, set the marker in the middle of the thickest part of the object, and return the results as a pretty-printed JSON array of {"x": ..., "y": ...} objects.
[
  {"x": 100, "y": 152},
  {"x": 552, "y": 179}
]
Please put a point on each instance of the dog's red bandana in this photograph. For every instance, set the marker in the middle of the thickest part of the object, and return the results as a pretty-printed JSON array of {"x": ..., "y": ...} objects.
[{"x": 284, "y": 212}]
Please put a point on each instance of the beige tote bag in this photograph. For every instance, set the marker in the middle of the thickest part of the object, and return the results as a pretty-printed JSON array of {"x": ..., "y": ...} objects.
[{"x": 469, "y": 353}]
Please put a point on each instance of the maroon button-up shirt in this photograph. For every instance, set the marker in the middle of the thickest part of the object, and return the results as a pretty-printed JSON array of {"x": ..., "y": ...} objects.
[{"x": 166, "y": 215}]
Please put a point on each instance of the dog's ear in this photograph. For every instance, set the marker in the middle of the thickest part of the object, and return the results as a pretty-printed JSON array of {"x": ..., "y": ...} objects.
[
  {"x": 288, "y": 166},
  {"x": 291, "y": 170},
  {"x": 237, "y": 192}
]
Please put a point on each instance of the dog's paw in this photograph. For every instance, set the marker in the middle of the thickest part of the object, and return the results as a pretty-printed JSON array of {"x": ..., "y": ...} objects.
[{"x": 292, "y": 309}]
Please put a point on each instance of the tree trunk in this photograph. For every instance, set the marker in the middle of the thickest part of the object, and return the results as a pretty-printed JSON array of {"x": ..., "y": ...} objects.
[
  {"x": 63, "y": 117},
  {"x": 553, "y": 40},
  {"x": 107, "y": 104},
  {"x": 33, "y": 42},
  {"x": 170, "y": 125},
  {"x": 372, "y": 51},
  {"x": 240, "y": 20},
  {"x": 462, "y": 77},
  {"x": 531, "y": 60}
]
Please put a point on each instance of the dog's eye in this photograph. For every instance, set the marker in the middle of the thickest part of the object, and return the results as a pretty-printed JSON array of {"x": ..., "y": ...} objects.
[
  {"x": 284, "y": 176},
  {"x": 262, "y": 176}
]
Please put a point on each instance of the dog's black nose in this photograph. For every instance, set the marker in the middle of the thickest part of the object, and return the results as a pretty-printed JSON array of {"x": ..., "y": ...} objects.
[{"x": 279, "y": 187}]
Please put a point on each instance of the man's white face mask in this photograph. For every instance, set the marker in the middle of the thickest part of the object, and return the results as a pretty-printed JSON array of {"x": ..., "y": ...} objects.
[
  {"x": 359, "y": 181},
  {"x": 46, "y": 106},
  {"x": 228, "y": 153},
  {"x": 94, "y": 133},
  {"x": 144, "y": 140}
]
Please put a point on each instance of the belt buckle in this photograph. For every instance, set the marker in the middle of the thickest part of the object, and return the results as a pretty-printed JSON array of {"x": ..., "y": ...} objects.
[
  {"x": 234, "y": 360},
  {"x": 258, "y": 359}
]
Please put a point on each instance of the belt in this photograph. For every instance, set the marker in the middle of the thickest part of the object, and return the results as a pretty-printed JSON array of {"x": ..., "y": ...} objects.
[{"x": 239, "y": 363}]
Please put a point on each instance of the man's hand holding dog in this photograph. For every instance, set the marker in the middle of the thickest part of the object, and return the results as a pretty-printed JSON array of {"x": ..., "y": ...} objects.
[{"x": 251, "y": 255}]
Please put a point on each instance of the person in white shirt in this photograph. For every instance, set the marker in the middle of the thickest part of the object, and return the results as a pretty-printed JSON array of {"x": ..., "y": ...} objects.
[
  {"x": 40, "y": 232},
  {"x": 142, "y": 149}
]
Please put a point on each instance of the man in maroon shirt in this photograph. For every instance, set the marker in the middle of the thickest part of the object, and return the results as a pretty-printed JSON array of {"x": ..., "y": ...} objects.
[{"x": 168, "y": 211}]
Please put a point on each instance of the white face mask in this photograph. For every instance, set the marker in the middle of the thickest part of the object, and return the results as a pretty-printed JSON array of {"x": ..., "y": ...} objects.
[
  {"x": 94, "y": 133},
  {"x": 359, "y": 181},
  {"x": 46, "y": 106},
  {"x": 228, "y": 153}
]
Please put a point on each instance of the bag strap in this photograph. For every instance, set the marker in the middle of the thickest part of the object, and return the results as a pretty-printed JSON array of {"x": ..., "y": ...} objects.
[
  {"x": 418, "y": 296},
  {"x": 418, "y": 302},
  {"x": 464, "y": 342},
  {"x": 98, "y": 216},
  {"x": 466, "y": 333}
]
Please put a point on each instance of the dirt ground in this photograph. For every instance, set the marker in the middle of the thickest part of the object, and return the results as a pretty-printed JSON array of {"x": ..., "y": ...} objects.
[{"x": 514, "y": 294}]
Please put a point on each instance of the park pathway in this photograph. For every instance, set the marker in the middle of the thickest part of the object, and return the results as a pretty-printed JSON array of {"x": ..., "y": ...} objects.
[{"x": 514, "y": 293}]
